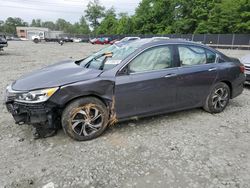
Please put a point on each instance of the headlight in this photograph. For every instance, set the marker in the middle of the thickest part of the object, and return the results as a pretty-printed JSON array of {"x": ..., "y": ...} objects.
[{"x": 35, "y": 96}]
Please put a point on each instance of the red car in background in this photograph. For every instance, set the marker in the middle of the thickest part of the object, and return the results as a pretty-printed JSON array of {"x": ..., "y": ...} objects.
[{"x": 101, "y": 40}]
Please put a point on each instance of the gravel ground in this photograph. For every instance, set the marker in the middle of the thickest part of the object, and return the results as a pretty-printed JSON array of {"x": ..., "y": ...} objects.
[{"x": 184, "y": 149}]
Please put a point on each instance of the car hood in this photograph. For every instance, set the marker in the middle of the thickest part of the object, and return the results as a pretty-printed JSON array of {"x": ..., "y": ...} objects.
[{"x": 59, "y": 74}]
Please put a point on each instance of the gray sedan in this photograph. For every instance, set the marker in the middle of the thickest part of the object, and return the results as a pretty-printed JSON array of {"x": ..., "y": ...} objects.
[{"x": 136, "y": 79}]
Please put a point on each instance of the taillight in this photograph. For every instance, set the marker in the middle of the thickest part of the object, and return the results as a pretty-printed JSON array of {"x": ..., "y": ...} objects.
[{"x": 242, "y": 69}]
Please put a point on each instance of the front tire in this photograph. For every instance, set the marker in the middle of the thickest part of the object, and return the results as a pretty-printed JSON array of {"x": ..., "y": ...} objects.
[
  {"x": 85, "y": 118},
  {"x": 218, "y": 98}
]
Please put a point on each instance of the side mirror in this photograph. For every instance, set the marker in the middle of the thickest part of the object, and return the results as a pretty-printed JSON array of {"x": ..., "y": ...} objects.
[{"x": 124, "y": 71}]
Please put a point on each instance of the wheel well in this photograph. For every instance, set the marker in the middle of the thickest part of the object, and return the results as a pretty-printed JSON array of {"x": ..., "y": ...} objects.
[
  {"x": 104, "y": 101},
  {"x": 229, "y": 85}
]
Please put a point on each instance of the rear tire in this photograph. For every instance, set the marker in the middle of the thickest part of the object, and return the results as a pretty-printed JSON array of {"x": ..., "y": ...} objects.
[
  {"x": 85, "y": 118},
  {"x": 218, "y": 98}
]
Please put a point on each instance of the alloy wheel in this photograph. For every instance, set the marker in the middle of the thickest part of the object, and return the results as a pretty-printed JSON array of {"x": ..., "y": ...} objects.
[
  {"x": 86, "y": 120},
  {"x": 220, "y": 98}
]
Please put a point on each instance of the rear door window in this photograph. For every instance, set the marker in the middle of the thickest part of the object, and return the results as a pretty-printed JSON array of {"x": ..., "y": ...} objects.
[{"x": 190, "y": 55}]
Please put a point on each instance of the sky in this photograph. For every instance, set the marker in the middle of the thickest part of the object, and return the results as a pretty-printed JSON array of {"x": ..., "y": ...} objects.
[{"x": 51, "y": 10}]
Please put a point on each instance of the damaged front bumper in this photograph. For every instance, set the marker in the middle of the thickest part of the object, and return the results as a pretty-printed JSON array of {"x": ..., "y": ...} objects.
[
  {"x": 45, "y": 113},
  {"x": 31, "y": 113}
]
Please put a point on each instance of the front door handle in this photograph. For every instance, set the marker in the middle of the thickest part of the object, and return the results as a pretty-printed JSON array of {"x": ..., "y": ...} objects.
[
  {"x": 170, "y": 75},
  {"x": 212, "y": 69}
]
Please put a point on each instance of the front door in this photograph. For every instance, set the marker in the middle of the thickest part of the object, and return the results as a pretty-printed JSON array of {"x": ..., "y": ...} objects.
[{"x": 150, "y": 85}]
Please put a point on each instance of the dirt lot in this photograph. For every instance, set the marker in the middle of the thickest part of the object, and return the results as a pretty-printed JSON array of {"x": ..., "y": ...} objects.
[{"x": 185, "y": 149}]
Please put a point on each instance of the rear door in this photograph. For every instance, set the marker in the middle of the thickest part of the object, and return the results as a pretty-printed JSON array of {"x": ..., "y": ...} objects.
[
  {"x": 150, "y": 85},
  {"x": 197, "y": 73}
]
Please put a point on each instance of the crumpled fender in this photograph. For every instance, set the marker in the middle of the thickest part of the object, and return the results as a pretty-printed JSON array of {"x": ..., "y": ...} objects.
[{"x": 101, "y": 88}]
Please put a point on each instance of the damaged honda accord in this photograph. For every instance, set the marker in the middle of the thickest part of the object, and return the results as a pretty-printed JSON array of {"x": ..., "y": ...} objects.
[{"x": 141, "y": 78}]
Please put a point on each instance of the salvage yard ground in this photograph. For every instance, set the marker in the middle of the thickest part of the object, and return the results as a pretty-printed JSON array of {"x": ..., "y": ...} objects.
[{"x": 185, "y": 149}]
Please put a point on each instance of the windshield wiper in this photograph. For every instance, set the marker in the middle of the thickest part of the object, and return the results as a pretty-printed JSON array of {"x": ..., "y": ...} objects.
[{"x": 107, "y": 55}]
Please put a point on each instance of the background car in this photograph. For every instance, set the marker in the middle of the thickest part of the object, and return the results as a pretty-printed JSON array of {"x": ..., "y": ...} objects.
[
  {"x": 3, "y": 42},
  {"x": 81, "y": 39},
  {"x": 246, "y": 61},
  {"x": 160, "y": 38},
  {"x": 101, "y": 40}
]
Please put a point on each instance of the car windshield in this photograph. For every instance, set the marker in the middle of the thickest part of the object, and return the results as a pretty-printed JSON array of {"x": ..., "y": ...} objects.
[{"x": 119, "y": 52}]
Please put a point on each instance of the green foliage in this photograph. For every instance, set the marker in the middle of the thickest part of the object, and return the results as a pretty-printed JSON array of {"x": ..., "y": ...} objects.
[
  {"x": 81, "y": 27},
  {"x": 49, "y": 24},
  {"x": 109, "y": 23},
  {"x": 36, "y": 23},
  {"x": 154, "y": 17},
  {"x": 125, "y": 24},
  {"x": 9, "y": 26},
  {"x": 94, "y": 13},
  {"x": 244, "y": 25}
]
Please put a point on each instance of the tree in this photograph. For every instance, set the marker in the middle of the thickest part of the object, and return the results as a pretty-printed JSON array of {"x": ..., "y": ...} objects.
[
  {"x": 81, "y": 27},
  {"x": 1, "y": 26},
  {"x": 63, "y": 25},
  {"x": 153, "y": 16},
  {"x": 223, "y": 18},
  {"x": 84, "y": 27},
  {"x": 36, "y": 23},
  {"x": 244, "y": 25},
  {"x": 125, "y": 24},
  {"x": 49, "y": 24},
  {"x": 94, "y": 13},
  {"x": 109, "y": 23},
  {"x": 11, "y": 24}
]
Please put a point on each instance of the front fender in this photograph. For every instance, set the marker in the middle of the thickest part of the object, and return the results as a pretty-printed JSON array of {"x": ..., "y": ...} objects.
[{"x": 104, "y": 89}]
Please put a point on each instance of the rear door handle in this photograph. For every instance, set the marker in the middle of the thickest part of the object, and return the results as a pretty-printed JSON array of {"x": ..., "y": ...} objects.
[
  {"x": 212, "y": 69},
  {"x": 170, "y": 75}
]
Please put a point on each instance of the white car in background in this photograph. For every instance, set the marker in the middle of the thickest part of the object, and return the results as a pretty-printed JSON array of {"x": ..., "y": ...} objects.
[
  {"x": 129, "y": 39},
  {"x": 246, "y": 61},
  {"x": 77, "y": 40},
  {"x": 160, "y": 38},
  {"x": 125, "y": 39}
]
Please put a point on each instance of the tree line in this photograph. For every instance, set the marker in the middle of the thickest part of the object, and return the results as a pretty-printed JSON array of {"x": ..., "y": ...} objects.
[{"x": 153, "y": 17}]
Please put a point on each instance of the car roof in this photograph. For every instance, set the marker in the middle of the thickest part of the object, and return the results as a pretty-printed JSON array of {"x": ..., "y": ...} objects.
[
  {"x": 159, "y": 41},
  {"x": 150, "y": 42}
]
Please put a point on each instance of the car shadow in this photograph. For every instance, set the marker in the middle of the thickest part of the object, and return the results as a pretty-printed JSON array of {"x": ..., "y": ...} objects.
[
  {"x": 129, "y": 126},
  {"x": 247, "y": 86},
  {"x": 2, "y": 53},
  {"x": 151, "y": 120}
]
